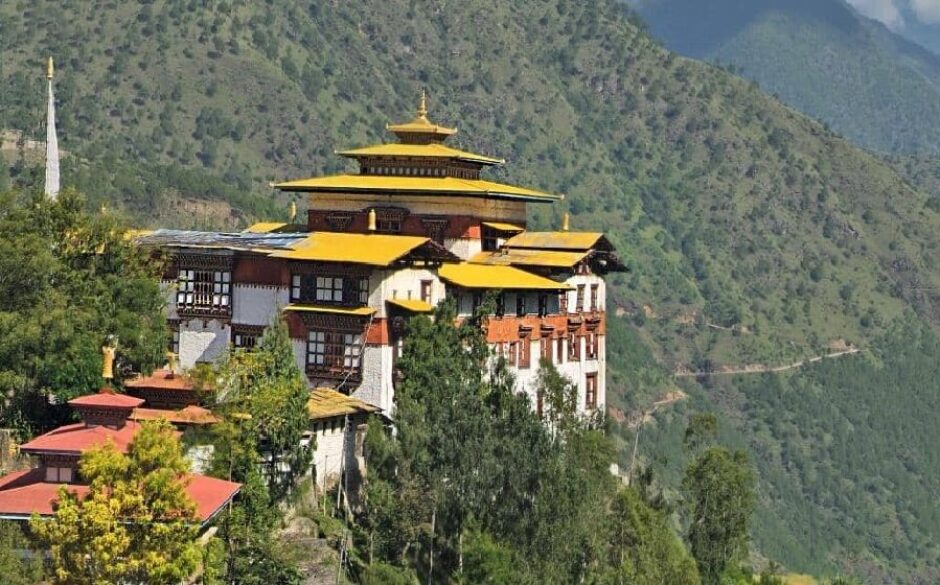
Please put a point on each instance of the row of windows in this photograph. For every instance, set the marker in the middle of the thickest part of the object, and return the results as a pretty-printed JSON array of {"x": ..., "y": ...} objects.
[
  {"x": 579, "y": 298},
  {"x": 421, "y": 172},
  {"x": 204, "y": 290},
  {"x": 329, "y": 289},
  {"x": 334, "y": 351},
  {"x": 518, "y": 353}
]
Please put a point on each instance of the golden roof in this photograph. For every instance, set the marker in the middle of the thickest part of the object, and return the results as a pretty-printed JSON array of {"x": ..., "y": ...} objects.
[
  {"x": 418, "y": 185},
  {"x": 496, "y": 277},
  {"x": 264, "y": 227},
  {"x": 504, "y": 227},
  {"x": 422, "y": 125},
  {"x": 531, "y": 257},
  {"x": 371, "y": 249},
  {"x": 433, "y": 150},
  {"x": 413, "y": 305},
  {"x": 331, "y": 310},
  {"x": 328, "y": 403},
  {"x": 555, "y": 240}
]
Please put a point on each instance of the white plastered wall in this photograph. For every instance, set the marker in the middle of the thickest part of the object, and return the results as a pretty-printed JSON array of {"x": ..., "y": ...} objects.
[
  {"x": 254, "y": 304},
  {"x": 202, "y": 340}
]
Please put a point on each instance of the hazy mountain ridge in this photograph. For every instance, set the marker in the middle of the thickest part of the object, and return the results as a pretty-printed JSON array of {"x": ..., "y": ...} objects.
[
  {"x": 867, "y": 82},
  {"x": 730, "y": 208}
]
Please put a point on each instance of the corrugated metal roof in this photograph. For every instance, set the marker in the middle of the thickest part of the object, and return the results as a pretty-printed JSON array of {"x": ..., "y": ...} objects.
[
  {"x": 496, "y": 277},
  {"x": 221, "y": 240},
  {"x": 417, "y": 185},
  {"x": 372, "y": 249},
  {"x": 530, "y": 257},
  {"x": 555, "y": 240}
]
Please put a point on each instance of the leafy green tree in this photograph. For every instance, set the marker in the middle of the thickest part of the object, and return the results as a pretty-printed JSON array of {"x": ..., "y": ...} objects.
[
  {"x": 643, "y": 548},
  {"x": 259, "y": 444},
  {"x": 15, "y": 568},
  {"x": 720, "y": 497},
  {"x": 136, "y": 524},
  {"x": 68, "y": 280}
]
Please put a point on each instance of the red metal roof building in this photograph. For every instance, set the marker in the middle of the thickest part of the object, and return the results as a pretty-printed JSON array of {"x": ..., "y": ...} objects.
[{"x": 106, "y": 416}]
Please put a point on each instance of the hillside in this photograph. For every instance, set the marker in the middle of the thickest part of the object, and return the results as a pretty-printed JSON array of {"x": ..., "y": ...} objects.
[
  {"x": 866, "y": 82},
  {"x": 753, "y": 235}
]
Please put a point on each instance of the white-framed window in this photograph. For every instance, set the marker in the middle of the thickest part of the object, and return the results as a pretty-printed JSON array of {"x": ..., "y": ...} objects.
[
  {"x": 329, "y": 289},
  {"x": 58, "y": 474},
  {"x": 334, "y": 350},
  {"x": 204, "y": 290}
]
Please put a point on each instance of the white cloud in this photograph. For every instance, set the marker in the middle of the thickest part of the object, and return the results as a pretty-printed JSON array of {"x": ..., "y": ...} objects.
[
  {"x": 887, "y": 11},
  {"x": 927, "y": 11}
]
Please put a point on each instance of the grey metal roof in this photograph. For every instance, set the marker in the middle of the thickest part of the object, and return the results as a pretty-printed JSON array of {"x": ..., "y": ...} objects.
[{"x": 220, "y": 240}]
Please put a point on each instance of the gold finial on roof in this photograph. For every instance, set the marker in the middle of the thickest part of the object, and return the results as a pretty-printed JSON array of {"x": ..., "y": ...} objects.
[
  {"x": 50, "y": 69},
  {"x": 107, "y": 369},
  {"x": 423, "y": 105},
  {"x": 565, "y": 222},
  {"x": 372, "y": 227},
  {"x": 292, "y": 212}
]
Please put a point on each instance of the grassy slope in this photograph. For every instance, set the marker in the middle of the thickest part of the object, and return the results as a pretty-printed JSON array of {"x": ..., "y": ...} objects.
[
  {"x": 730, "y": 208},
  {"x": 864, "y": 81}
]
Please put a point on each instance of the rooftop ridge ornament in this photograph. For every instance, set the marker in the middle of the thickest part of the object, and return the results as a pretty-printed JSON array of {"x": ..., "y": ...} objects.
[
  {"x": 423, "y": 105},
  {"x": 52, "y": 141},
  {"x": 421, "y": 130}
]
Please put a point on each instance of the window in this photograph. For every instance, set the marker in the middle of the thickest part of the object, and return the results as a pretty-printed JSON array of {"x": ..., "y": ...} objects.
[
  {"x": 329, "y": 289},
  {"x": 388, "y": 225},
  {"x": 334, "y": 351},
  {"x": 592, "y": 343},
  {"x": 426, "y": 291},
  {"x": 545, "y": 348},
  {"x": 475, "y": 302},
  {"x": 59, "y": 474},
  {"x": 246, "y": 337},
  {"x": 204, "y": 290},
  {"x": 579, "y": 304},
  {"x": 574, "y": 347},
  {"x": 525, "y": 352},
  {"x": 561, "y": 350},
  {"x": 513, "y": 353},
  {"x": 520, "y": 304},
  {"x": 173, "y": 338},
  {"x": 590, "y": 391},
  {"x": 543, "y": 305},
  {"x": 490, "y": 241},
  {"x": 500, "y": 304},
  {"x": 594, "y": 297},
  {"x": 563, "y": 302}
]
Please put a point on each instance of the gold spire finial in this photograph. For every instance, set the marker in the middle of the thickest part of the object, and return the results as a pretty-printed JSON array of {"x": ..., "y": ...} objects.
[
  {"x": 50, "y": 69},
  {"x": 107, "y": 370},
  {"x": 423, "y": 105},
  {"x": 292, "y": 212},
  {"x": 372, "y": 227},
  {"x": 565, "y": 222}
]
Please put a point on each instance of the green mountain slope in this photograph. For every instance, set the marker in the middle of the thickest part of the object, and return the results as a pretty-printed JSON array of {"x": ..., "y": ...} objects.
[
  {"x": 753, "y": 235},
  {"x": 868, "y": 83}
]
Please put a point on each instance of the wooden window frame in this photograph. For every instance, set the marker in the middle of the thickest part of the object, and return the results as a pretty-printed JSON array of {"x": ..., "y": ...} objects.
[
  {"x": 525, "y": 352},
  {"x": 545, "y": 348},
  {"x": 246, "y": 336},
  {"x": 592, "y": 348},
  {"x": 204, "y": 291},
  {"x": 336, "y": 352},
  {"x": 590, "y": 391},
  {"x": 520, "y": 305},
  {"x": 595, "y": 292},
  {"x": 426, "y": 288},
  {"x": 574, "y": 347},
  {"x": 513, "y": 355},
  {"x": 322, "y": 288},
  {"x": 579, "y": 302}
]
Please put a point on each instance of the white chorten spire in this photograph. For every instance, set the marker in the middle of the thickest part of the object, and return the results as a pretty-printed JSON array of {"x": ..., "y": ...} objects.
[{"x": 52, "y": 142}]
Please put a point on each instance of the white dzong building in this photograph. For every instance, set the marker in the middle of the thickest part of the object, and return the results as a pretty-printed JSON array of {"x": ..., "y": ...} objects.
[{"x": 416, "y": 224}]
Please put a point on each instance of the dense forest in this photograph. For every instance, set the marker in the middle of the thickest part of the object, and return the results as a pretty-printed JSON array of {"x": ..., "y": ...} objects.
[{"x": 753, "y": 235}]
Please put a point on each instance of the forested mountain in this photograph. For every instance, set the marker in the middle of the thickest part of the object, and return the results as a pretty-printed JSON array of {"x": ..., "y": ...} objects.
[
  {"x": 868, "y": 83},
  {"x": 753, "y": 234}
]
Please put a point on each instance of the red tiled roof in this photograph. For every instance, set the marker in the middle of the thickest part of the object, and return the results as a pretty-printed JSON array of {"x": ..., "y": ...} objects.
[
  {"x": 191, "y": 415},
  {"x": 161, "y": 380},
  {"x": 107, "y": 398},
  {"x": 78, "y": 438},
  {"x": 24, "y": 492}
]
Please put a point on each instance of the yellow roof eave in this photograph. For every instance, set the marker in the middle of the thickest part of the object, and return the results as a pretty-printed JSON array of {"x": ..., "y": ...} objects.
[
  {"x": 331, "y": 310},
  {"x": 496, "y": 277},
  {"x": 370, "y": 249},
  {"x": 420, "y": 150},
  {"x": 504, "y": 227},
  {"x": 581, "y": 241},
  {"x": 264, "y": 227},
  {"x": 415, "y": 185},
  {"x": 530, "y": 257},
  {"x": 413, "y": 305}
]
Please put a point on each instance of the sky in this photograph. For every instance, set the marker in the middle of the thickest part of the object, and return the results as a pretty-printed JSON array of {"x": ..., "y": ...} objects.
[{"x": 893, "y": 12}]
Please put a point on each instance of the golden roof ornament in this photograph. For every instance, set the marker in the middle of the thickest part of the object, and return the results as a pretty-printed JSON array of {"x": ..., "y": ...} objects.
[
  {"x": 421, "y": 130},
  {"x": 423, "y": 105},
  {"x": 292, "y": 211},
  {"x": 565, "y": 222},
  {"x": 50, "y": 69},
  {"x": 372, "y": 226}
]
